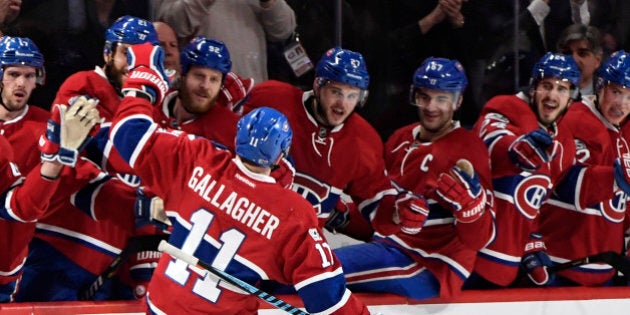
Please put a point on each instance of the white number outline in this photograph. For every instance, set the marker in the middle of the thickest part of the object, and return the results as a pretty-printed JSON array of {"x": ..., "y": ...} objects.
[{"x": 178, "y": 270}]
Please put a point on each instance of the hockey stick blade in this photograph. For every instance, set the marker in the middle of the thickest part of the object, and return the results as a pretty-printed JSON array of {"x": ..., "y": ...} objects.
[
  {"x": 135, "y": 244},
  {"x": 194, "y": 261}
]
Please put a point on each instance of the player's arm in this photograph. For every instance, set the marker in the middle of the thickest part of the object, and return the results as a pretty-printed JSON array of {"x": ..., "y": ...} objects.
[
  {"x": 511, "y": 153},
  {"x": 67, "y": 131}
]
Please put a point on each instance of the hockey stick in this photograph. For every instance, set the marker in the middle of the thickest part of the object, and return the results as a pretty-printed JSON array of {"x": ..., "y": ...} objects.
[
  {"x": 134, "y": 245},
  {"x": 194, "y": 261},
  {"x": 610, "y": 257}
]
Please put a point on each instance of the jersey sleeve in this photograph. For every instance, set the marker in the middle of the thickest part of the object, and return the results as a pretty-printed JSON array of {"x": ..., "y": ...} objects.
[
  {"x": 313, "y": 268},
  {"x": 25, "y": 200}
]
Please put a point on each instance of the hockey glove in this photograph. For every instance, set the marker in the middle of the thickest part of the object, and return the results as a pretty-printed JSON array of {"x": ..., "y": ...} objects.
[
  {"x": 339, "y": 217},
  {"x": 411, "y": 212},
  {"x": 147, "y": 77},
  {"x": 622, "y": 174},
  {"x": 530, "y": 151},
  {"x": 150, "y": 210},
  {"x": 460, "y": 188},
  {"x": 234, "y": 89},
  {"x": 68, "y": 130},
  {"x": 535, "y": 260}
]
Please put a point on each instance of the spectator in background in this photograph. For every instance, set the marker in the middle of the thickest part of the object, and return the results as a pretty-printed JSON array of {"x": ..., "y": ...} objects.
[
  {"x": 9, "y": 10},
  {"x": 540, "y": 23},
  {"x": 244, "y": 26},
  {"x": 168, "y": 41},
  {"x": 583, "y": 43}
]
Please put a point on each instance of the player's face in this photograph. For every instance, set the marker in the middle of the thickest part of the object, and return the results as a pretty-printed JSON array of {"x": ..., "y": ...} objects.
[
  {"x": 18, "y": 83},
  {"x": 614, "y": 103},
  {"x": 551, "y": 98},
  {"x": 587, "y": 60},
  {"x": 436, "y": 109},
  {"x": 337, "y": 101},
  {"x": 116, "y": 63},
  {"x": 200, "y": 89}
]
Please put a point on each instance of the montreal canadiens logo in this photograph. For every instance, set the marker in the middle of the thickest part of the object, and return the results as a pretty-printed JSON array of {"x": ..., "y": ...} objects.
[
  {"x": 530, "y": 193},
  {"x": 614, "y": 210}
]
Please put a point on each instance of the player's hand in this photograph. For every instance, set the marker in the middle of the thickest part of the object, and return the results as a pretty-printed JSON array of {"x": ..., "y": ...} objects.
[
  {"x": 339, "y": 217},
  {"x": 234, "y": 89},
  {"x": 147, "y": 77},
  {"x": 411, "y": 212},
  {"x": 535, "y": 260},
  {"x": 460, "y": 188},
  {"x": 67, "y": 130},
  {"x": 150, "y": 209},
  {"x": 531, "y": 150},
  {"x": 622, "y": 173}
]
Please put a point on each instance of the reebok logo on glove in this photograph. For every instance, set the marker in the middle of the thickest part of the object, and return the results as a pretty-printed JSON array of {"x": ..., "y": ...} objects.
[{"x": 161, "y": 84}]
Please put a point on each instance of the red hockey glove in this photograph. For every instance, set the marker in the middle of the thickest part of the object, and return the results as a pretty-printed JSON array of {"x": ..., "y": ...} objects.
[
  {"x": 460, "y": 188},
  {"x": 530, "y": 151},
  {"x": 234, "y": 89},
  {"x": 411, "y": 212},
  {"x": 147, "y": 77},
  {"x": 339, "y": 217},
  {"x": 535, "y": 260},
  {"x": 68, "y": 130}
]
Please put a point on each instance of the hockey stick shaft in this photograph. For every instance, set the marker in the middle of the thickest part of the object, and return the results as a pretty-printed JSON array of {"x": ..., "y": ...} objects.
[
  {"x": 610, "y": 257},
  {"x": 135, "y": 244},
  {"x": 194, "y": 261}
]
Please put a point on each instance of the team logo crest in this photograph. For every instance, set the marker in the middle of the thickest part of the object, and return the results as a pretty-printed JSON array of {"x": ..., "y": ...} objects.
[
  {"x": 530, "y": 193},
  {"x": 614, "y": 210}
]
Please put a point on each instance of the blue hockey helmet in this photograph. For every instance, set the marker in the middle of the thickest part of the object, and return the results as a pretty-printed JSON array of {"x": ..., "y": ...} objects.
[
  {"x": 131, "y": 30},
  {"x": 262, "y": 135},
  {"x": 21, "y": 51},
  {"x": 616, "y": 69},
  {"x": 559, "y": 66},
  {"x": 439, "y": 74},
  {"x": 343, "y": 66},
  {"x": 207, "y": 53}
]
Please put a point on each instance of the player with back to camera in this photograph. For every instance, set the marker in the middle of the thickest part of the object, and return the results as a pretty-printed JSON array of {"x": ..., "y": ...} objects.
[{"x": 228, "y": 207}]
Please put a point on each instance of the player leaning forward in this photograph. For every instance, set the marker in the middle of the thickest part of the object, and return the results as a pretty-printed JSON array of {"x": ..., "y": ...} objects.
[{"x": 228, "y": 208}]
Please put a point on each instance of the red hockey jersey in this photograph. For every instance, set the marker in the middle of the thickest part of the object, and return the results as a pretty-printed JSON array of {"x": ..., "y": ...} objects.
[
  {"x": 448, "y": 249},
  {"x": 518, "y": 195},
  {"x": 236, "y": 220},
  {"x": 346, "y": 159}
]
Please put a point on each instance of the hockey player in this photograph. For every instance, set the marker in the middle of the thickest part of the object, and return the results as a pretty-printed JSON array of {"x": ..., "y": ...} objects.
[
  {"x": 570, "y": 231},
  {"x": 104, "y": 83},
  {"x": 431, "y": 250},
  {"x": 228, "y": 208},
  {"x": 72, "y": 253},
  {"x": 21, "y": 69},
  {"x": 332, "y": 178},
  {"x": 530, "y": 156},
  {"x": 195, "y": 107},
  {"x": 25, "y": 199}
]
